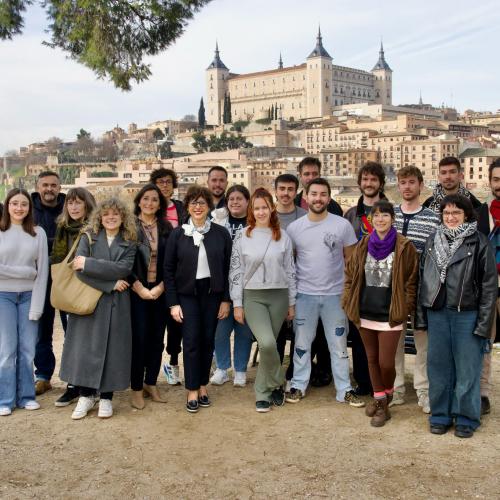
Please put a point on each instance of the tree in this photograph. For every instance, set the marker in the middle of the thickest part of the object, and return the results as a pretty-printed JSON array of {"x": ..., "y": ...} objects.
[
  {"x": 229, "y": 112},
  {"x": 158, "y": 134},
  {"x": 188, "y": 118},
  {"x": 201, "y": 115},
  {"x": 53, "y": 145},
  {"x": 165, "y": 151},
  {"x": 111, "y": 37},
  {"x": 200, "y": 142},
  {"x": 83, "y": 134}
]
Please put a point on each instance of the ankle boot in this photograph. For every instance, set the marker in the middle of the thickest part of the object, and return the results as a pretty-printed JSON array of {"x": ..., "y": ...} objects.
[
  {"x": 137, "y": 400},
  {"x": 382, "y": 413},
  {"x": 371, "y": 408},
  {"x": 154, "y": 393}
]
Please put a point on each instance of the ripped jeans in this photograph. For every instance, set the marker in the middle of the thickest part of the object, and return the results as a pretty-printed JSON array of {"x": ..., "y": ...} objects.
[{"x": 308, "y": 310}]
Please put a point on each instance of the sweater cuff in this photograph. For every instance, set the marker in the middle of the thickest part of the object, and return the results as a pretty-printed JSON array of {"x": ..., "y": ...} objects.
[{"x": 237, "y": 303}]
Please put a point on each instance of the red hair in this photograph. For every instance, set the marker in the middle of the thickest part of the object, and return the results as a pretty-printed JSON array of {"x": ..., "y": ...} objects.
[{"x": 274, "y": 222}]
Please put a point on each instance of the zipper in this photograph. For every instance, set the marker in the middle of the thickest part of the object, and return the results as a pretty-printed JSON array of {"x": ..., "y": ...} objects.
[
  {"x": 439, "y": 288},
  {"x": 463, "y": 281}
]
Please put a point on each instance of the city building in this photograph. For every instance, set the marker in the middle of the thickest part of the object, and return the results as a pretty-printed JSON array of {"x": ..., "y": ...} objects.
[{"x": 475, "y": 164}]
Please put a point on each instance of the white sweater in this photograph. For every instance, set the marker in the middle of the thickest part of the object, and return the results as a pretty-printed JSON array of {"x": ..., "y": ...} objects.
[
  {"x": 276, "y": 270},
  {"x": 24, "y": 265}
]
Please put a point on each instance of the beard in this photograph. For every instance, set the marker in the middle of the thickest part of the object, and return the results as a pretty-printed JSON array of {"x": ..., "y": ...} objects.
[{"x": 318, "y": 209}]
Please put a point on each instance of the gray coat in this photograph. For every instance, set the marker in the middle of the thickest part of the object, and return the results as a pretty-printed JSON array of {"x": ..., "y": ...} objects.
[{"x": 98, "y": 347}]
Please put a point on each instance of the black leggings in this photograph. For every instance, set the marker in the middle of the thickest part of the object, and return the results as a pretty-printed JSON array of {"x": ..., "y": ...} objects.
[{"x": 87, "y": 392}]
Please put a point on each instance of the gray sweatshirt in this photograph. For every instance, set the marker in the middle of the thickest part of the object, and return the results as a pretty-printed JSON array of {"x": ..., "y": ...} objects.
[
  {"x": 24, "y": 265},
  {"x": 249, "y": 270}
]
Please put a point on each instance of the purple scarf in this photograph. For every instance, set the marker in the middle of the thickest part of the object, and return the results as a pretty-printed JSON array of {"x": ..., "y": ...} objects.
[{"x": 380, "y": 249}]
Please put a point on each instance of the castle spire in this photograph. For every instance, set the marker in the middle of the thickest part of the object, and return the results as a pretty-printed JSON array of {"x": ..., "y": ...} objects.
[
  {"x": 381, "y": 63},
  {"x": 319, "y": 50},
  {"x": 217, "y": 62},
  {"x": 420, "y": 102},
  {"x": 280, "y": 63}
]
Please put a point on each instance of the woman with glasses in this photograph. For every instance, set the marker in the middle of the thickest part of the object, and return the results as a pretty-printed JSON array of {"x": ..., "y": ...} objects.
[
  {"x": 456, "y": 301},
  {"x": 197, "y": 289}
]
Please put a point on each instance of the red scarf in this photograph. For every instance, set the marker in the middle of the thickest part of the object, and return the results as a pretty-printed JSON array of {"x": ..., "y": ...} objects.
[{"x": 495, "y": 211}]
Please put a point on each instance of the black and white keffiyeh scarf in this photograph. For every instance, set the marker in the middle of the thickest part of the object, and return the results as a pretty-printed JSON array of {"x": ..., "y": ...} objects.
[
  {"x": 447, "y": 241},
  {"x": 438, "y": 194}
]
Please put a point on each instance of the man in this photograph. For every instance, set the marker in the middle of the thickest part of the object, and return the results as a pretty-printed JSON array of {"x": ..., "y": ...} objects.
[
  {"x": 417, "y": 223},
  {"x": 322, "y": 241},
  {"x": 309, "y": 169},
  {"x": 489, "y": 224},
  {"x": 217, "y": 185},
  {"x": 48, "y": 203},
  {"x": 450, "y": 176},
  {"x": 166, "y": 180}
]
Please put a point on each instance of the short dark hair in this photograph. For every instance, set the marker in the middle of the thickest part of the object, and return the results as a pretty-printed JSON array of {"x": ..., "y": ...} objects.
[
  {"x": 309, "y": 160},
  {"x": 195, "y": 192},
  {"x": 28, "y": 222},
  {"x": 240, "y": 189},
  {"x": 160, "y": 213},
  {"x": 372, "y": 168},
  {"x": 450, "y": 160},
  {"x": 410, "y": 171},
  {"x": 461, "y": 202},
  {"x": 47, "y": 173},
  {"x": 288, "y": 178},
  {"x": 384, "y": 207},
  {"x": 495, "y": 164},
  {"x": 319, "y": 181},
  {"x": 217, "y": 168},
  {"x": 159, "y": 173}
]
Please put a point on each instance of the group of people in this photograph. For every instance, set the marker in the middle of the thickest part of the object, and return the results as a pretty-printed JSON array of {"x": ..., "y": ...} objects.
[{"x": 289, "y": 267}]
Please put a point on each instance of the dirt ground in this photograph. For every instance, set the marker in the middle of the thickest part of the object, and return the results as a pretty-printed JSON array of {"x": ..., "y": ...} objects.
[{"x": 315, "y": 449}]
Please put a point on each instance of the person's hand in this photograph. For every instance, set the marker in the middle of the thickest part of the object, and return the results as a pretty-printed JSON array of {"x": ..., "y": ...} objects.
[
  {"x": 224, "y": 310},
  {"x": 291, "y": 313},
  {"x": 121, "y": 285},
  {"x": 78, "y": 263},
  {"x": 239, "y": 315},
  {"x": 176, "y": 312},
  {"x": 145, "y": 294},
  {"x": 156, "y": 291}
]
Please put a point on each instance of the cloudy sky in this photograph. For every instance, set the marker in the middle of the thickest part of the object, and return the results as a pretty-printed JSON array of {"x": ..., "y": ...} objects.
[{"x": 448, "y": 49}]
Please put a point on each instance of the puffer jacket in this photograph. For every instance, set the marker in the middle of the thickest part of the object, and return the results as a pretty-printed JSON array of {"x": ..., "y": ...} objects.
[{"x": 471, "y": 282}]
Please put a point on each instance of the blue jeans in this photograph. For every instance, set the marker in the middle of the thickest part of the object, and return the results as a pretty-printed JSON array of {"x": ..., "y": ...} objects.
[
  {"x": 454, "y": 362},
  {"x": 18, "y": 336},
  {"x": 308, "y": 310},
  {"x": 243, "y": 340}
]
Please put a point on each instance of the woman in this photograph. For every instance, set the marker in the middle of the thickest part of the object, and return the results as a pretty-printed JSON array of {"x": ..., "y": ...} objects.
[
  {"x": 456, "y": 301},
  {"x": 23, "y": 280},
  {"x": 149, "y": 317},
  {"x": 97, "y": 348},
  {"x": 379, "y": 293},
  {"x": 77, "y": 208},
  {"x": 263, "y": 290},
  {"x": 196, "y": 280},
  {"x": 235, "y": 219}
]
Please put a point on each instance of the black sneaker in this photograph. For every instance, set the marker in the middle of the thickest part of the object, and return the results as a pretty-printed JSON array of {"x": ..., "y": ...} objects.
[
  {"x": 362, "y": 391},
  {"x": 262, "y": 406},
  {"x": 439, "y": 428},
  {"x": 204, "y": 401},
  {"x": 278, "y": 397},
  {"x": 71, "y": 395},
  {"x": 464, "y": 431},
  {"x": 485, "y": 405},
  {"x": 192, "y": 406}
]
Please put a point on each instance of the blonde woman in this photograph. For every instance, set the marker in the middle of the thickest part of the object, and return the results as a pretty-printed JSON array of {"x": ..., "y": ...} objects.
[{"x": 97, "y": 348}]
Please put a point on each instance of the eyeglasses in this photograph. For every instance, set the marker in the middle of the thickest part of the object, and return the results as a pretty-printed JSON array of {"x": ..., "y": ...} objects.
[
  {"x": 200, "y": 203},
  {"x": 454, "y": 213},
  {"x": 165, "y": 182}
]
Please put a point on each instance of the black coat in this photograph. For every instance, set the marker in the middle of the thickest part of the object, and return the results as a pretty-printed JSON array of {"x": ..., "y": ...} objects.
[
  {"x": 471, "y": 282},
  {"x": 181, "y": 211},
  {"x": 181, "y": 262},
  {"x": 45, "y": 216},
  {"x": 333, "y": 206}
]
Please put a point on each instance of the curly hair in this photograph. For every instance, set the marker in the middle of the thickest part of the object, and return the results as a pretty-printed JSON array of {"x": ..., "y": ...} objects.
[
  {"x": 128, "y": 227},
  {"x": 274, "y": 222}
]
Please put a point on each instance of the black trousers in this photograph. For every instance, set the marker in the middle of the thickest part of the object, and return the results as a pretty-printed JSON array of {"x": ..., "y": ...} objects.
[
  {"x": 88, "y": 392},
  {"x": 174, "y": 339},
  {"x": 198, "y": 333},
  {"x": 286, "y": 333},
  {"x": 149, "y": 318},
  {"x": 359, "y": 360}
]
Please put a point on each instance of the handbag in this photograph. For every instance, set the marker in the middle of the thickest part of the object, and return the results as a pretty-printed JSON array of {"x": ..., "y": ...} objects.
[{"x": 68, "y": 293}]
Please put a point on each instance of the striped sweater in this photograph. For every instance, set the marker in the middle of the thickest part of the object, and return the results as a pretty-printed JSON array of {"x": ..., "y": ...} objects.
[{"x": 417, "y": 226}]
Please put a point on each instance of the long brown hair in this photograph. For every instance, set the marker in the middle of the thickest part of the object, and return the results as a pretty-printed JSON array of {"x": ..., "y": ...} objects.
[
  {"x": 81, "y": 194},
  {"x": 28, "y": 222},
  {"x": 274, "y": 222}
]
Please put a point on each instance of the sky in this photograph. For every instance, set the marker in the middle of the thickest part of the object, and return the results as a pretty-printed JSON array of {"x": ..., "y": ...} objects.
[{"x": 446, "y": 49}]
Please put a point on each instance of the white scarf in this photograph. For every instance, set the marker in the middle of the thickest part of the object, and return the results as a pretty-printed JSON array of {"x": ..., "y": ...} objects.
[{"x": 196, "y": 232}]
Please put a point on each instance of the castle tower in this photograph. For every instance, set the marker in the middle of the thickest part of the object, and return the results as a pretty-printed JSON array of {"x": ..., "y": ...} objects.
[
  {"x": 280, "y": 63},
  {"x": 216, "y": 87},
  {"x": 319, "y": 76},
  {"x": 383, "y": 79}
]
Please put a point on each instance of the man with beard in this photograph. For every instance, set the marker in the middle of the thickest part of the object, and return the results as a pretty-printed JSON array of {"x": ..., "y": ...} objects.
[
  {"x": 371, "y": 182},
  {"x": 322, "y": 241},
  {"x": 417, "y": 223},
  {"x": 450, "y": 176},
  {"x": 489, "y": 224},
  {"x": 48, "y": 203},
  {"x": 217, "y": 185}
]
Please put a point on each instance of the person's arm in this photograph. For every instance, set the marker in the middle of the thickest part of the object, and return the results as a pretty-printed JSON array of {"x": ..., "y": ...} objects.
[
  {"x": 411, "y": 278},
  {"x": 348, "y": 275},
  {"x": 289, "y": 267},
  {"x": 228, "y": 244},
  {"x": 420, "y": 312},
  {"x": 40, "y": 286},
  {"x": 348, "y": 251},
  {"x": 237, "y": 272},
  {"x": 108, "y": 270}
]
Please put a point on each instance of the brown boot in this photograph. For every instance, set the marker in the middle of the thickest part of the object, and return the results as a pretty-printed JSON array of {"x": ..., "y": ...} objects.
[
  {"x": 154, "y": 393},
  {"x": 371, "y": 408},
  {"x": 382, "y": 413}
]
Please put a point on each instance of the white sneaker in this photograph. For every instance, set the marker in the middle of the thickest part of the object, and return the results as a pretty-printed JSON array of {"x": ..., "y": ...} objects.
[
  {"x": 5, "y": 411},
  {"x": 219, "y": 377},
  {"x": 423, "y": 402},
  {"x": 32, "y": 405},
  {"x": 171, "y": 374},
  {"x": 288, "y": 386},
  {"x": 84, "y": 405},
  {"x": 105, "y": 408},
  {"x": 398, "y": 398},
  {"x": 240, "y": 379}
]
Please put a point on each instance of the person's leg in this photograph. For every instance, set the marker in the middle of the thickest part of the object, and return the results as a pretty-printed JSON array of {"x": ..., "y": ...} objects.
[
  {"x": 107, "y": 395},
  {"x": 370, "y": 341},
  {"x": 360, "y": 370},
  {"x": 223, "y": 341},
  {"x": 282, "y": 338},
  {"x": 399, "y": 382},
  {"x": 154, "y": 341},
  {"x": 289, "y": 370},
  {"x": 27, "y": 332},
  {"x": 336, "y": 330},
  {"x": 420, "y": 379},
  {"x": 485, "y": 384},
  {"x": 387, "y": 346},
  {"x": 243, "y": 340},
  {"x": 140, "y": 329},
  {"x": 8, "y": 349},
  {"x": 64, "y": 320},
  {"x": 321, "y": 369},
  {"x": 440, "y": 367},
  {"x": 305, "y": 324},
  {"x": 174, "y": 339}
]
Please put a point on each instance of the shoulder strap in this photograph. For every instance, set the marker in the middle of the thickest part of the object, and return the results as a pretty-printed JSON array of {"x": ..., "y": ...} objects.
[{"x": 254, "y": 270}]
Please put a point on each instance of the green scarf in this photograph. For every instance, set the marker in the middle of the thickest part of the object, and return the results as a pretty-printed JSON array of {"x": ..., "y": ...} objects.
[{"x": 65, "y": 237}]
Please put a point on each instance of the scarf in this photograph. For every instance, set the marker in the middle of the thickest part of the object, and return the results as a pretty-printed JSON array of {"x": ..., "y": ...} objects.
[
  {"x": 495, "y": 211},
  {"x": 447, "y": 241},
  {"x": 438, "y": 194},
  {"x": 196, "y": 232},
  {"x": 380, "y": 249},
  {"x": 65, "y": 237}
]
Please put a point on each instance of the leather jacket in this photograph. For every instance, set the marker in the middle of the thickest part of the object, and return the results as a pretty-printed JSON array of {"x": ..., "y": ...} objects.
[{"x": 471, "y": 282}]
